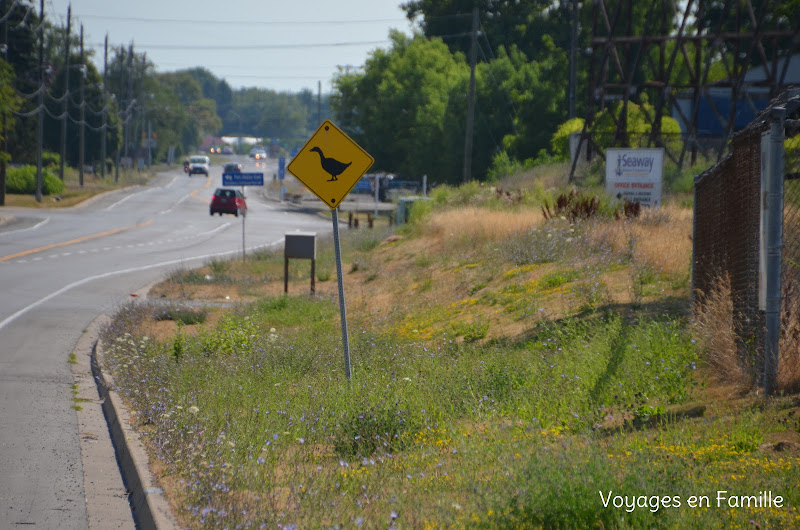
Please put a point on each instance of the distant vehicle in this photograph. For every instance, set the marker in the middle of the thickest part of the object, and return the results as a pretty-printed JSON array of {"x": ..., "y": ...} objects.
[
  {"x": 198, "y": 164},
  {"x": 232, "y": 167},
  {"x": 363, "y": 186},
  {"x": 227, "y": 150},
  {"x": 227, "y": 200},
  {"x": 258, "y": 153},
  {"x": 215, "y": 149}
]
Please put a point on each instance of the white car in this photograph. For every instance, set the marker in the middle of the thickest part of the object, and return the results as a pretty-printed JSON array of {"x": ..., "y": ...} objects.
[{"x": 198, "y": 164}]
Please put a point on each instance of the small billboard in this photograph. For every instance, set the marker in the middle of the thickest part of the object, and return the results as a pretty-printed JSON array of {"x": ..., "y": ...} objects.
[{"x": 635, "y": 175}]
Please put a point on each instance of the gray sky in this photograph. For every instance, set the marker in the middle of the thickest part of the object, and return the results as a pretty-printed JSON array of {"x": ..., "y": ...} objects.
[{"x": 262, "y": 43}]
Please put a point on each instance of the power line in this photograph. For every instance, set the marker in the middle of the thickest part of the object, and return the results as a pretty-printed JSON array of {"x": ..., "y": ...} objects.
[
  {"x": 10, "y": 10},
  {"x": 242, "y": 22},
  {"x": 254, "y": 46}
]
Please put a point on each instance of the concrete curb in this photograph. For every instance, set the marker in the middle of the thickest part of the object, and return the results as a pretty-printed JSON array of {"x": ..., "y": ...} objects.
[{"x": 150, "y": 506}]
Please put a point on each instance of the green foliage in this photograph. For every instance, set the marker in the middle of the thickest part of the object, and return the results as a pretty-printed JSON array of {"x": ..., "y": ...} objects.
[
  {"x": 679, "y": 180},
  {"x": 504, "y": 166},
  {"x": 182, "y": 315},
  {"x": 365, "y": 431},
  {"x": 404, "y": 94},
  {"x": 420, "y": 210},
  {"x": 538, "y": 111},
  {"x": 50, "y": 160},
  {"x": 558, "y": 278},
  {"x": 22, "y": 180},
  {"x": 559, "y": 143},
  {"x": 11, "y": 101},
  {"x": 639, "y": 118},
  {"x": 472, "y": 331}
]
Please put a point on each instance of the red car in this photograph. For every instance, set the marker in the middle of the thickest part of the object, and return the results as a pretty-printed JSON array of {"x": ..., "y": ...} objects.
[{"x": 227, "y": 200}]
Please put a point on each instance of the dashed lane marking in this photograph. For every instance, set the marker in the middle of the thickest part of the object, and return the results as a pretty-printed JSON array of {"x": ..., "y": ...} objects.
[{"x": 73, "y": 241}]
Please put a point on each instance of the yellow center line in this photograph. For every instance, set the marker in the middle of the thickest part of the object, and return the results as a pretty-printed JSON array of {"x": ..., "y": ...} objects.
[
  {"x": 208, "y": 185},
  {"x": 73, "y": 241}
]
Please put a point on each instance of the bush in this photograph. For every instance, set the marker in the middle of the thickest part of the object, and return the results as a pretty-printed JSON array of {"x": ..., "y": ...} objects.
[
  {"x": 559, "y": 143},
  {"x": 22, "y": 180},
  {"x": 503, "y": 166},
  {"x": 51, "y": 160}
]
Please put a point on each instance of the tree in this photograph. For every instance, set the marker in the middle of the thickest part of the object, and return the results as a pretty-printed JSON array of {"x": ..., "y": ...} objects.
[
  {"x": 10, "y": 103},
  {"x": 203, "y": 117},
  {"x": 396, "y": 108},
  {"x": 538, "y": 91}
]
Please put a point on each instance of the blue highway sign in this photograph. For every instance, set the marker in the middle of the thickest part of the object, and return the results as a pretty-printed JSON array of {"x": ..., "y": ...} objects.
[{"x": 243, "y": 179}]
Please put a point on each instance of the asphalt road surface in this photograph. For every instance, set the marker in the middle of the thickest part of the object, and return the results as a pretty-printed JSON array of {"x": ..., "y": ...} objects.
[{"x": 59, "y": 269}]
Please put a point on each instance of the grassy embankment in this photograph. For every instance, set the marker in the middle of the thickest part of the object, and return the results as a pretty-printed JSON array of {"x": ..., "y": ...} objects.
[
  {"x": 75, "y": 194},
  {"x": 508, "y": 371}
]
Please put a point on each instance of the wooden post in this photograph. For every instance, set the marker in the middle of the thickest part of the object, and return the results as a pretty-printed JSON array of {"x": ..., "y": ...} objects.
[
  {"x": 286, "y": 274},
  {"x": 313, "y": 275}
]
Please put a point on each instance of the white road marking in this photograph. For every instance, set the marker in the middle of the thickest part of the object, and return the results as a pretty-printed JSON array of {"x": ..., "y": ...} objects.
[
  {"x": 124, "y": 199},
  {"x": 151, "y": 243},
  {"x": 84, "y": 281},
  {"x": 34, "y": 227}
]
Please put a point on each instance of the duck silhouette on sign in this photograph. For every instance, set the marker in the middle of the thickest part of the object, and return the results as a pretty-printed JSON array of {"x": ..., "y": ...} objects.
[{"x": 331, "y": 166}]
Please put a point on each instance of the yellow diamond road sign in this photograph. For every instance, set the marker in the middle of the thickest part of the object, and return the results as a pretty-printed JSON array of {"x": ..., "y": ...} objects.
[{"x": 330, "y": 164}]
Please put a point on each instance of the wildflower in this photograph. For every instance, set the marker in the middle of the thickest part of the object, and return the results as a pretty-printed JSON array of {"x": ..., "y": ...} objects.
[{"x": 193, "y": 409}]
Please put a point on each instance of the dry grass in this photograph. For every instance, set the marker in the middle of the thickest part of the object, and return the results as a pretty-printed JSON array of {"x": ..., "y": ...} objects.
[
  {"x": 548, "y": 176},
  {"x": 479, "y": 224},
  {"x": 789, "y": 362},
  {"x": 716, "y": 337},
  {"x": 659, "y": 238}
]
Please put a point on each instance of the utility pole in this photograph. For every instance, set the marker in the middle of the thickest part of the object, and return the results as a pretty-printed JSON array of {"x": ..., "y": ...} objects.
[
  {"x": 143, "y": 100},
  {"x": 573, "y": 61},
  {"x": 66, "y": 97},
  {"x": 473, "y": 58},
  {"x": 3, "y": 111},
  {"x": 81, "y": 154},
  {"x": 40, "y": 114},
  {"x": 104, "y": 127},
  {"x": 130, "y": 98}
]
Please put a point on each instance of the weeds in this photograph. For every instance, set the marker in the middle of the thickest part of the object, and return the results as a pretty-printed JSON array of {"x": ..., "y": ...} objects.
[
  {"x": 714, "y": 330},
  {"x": 182, "y": 315},
  {"x": 494, "y": 385}
]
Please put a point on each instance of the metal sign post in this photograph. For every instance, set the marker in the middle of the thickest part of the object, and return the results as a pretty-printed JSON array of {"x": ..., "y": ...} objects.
[
  {"x": 244, "y": 216},
  {"x": 342, "y": 307},
  {"x": 243, "y": 179},
  {"x": 330, "y": 164}
]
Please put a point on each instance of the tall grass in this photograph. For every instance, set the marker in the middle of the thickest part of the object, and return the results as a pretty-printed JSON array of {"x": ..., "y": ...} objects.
[
  {"x": 502, "y": 378},
  {"x": 257, "y": 422},
  {"x": 714, "y": 329}
]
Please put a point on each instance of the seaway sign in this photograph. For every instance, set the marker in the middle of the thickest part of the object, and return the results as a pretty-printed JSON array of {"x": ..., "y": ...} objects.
[{"x": 635, "y": 175}]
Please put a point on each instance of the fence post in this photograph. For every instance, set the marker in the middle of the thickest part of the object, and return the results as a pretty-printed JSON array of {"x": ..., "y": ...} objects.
[{"x": 774, "y": 242}]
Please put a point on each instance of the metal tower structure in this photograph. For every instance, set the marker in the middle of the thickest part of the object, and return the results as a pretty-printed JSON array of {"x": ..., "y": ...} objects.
[{"x": 722, "y": 56}]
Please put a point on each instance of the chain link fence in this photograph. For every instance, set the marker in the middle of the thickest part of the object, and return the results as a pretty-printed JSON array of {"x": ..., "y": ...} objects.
[
  {"x": 789, "y": 366},
  {"x": 730, "y": 242}
]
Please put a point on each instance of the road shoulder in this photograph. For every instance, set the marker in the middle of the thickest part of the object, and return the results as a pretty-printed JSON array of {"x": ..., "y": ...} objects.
[
  {"x": 118, "y": 482},
  {"x": 107, "y": 503}
]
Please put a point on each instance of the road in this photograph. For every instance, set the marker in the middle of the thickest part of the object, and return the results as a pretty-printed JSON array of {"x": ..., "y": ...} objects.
[{"x": 59, "y": 269}]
